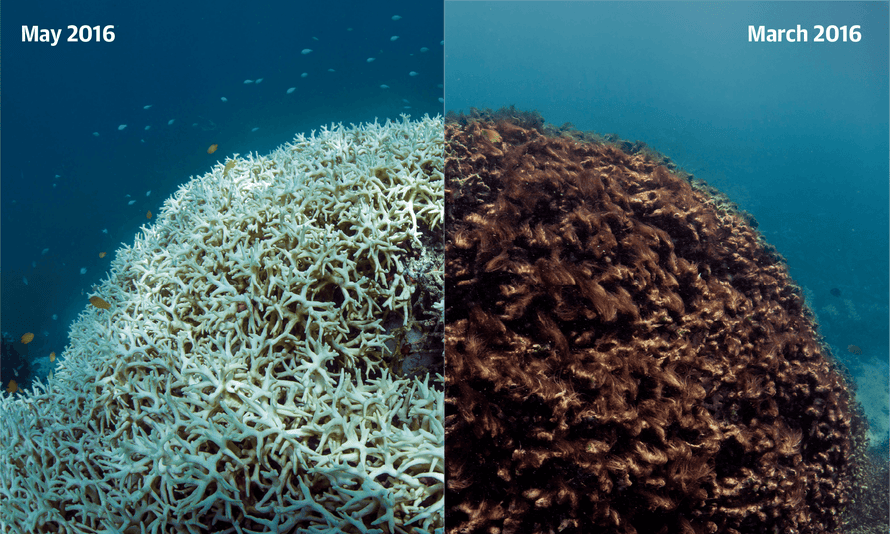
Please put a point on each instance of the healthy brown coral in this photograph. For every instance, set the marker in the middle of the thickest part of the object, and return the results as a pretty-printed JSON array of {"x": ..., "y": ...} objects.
[{"x": 624, "y": 354}]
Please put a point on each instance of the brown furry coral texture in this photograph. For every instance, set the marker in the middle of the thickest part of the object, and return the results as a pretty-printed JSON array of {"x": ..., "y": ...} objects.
[{"x": 624, "y": 354}]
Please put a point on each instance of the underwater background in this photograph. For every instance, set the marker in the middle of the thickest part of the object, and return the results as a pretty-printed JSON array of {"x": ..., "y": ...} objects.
[
  {"x": 795, "y": 133},
  {"x": 74, "y": 184}
]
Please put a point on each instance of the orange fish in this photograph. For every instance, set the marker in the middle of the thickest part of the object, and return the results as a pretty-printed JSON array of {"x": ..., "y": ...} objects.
[
  {"x": 492, "y": 136},
  {"x": 100, "y": 303},
  {"x": 212, "y": 149},
  {"x": 27, "y": 338},
  {"x": 148, "y": 214},
  {"x": 101, "y": 254},
  {"x": 52, "y": 356},
  {"x": 12, "y": 387}
]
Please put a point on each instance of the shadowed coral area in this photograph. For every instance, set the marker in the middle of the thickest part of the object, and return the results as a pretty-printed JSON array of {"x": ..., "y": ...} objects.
[{"x": 624, "y": 354}]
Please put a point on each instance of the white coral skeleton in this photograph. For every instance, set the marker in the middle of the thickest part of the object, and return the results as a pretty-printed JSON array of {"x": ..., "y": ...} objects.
[{"x": 239, "y": 381}]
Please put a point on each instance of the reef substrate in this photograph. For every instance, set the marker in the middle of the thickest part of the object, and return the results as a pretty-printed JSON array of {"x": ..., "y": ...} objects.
[{"x": 624, "y": 352}]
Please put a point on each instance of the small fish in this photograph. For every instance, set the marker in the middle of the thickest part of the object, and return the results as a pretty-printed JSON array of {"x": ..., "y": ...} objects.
[
  {"x": 55, "y": 317},
  {"x": 424, "y": 49},
  {"x": 27, "y": 338},
  {"x": 169, "y": 122},
  {"x": 148, "y": 214},
  {"x": 52, "y": 356},
  {"x": 101, "y": 254},
  {"x": 105, "y": 230},
  {"x": 130, "y": 203},
  {"x": 224, "y": 99},
  {"x": 384, "y": 86},
  {"x": 259, "y": 80},
  {"x": 396, "y": 17},
  {"x": 25, "y": 280},
  {"x": 148, "y": 192},
  {"x": 306, "y": 51},
  {"x": 412, "y": 73},
  {"x": 394, "y": 38},
  {"x": 492, "y": 136},
  {"x": 83, "y": 270},
  {"x": 95, "y": 134},
  {"x": 248, "y": 81},
  {"x": 370, "y": 59},
  {"x": 291, "y": 90},
  {"x": 212, "y": 148},
  {"x": 100, "y": 303},
  {"x": 254, "y": 129},
  {"x": 148, "y": 106},
  {"x": 304, "y": 75},
  {"x": 12, "y": 387},
  {"x": 148, "y": 127},
  {"x": 229, "y": 166},
  {"x": 121, "y": 127}
]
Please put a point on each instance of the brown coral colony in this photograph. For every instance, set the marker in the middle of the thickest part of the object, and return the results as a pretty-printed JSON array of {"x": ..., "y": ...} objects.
[{"x": 623, "y": 352}]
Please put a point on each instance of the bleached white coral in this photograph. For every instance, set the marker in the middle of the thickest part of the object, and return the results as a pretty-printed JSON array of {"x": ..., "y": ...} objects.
[{"x": 240, "y": 381}]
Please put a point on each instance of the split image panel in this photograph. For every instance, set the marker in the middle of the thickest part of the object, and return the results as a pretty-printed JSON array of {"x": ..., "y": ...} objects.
[{"x": 464, "y": 267}]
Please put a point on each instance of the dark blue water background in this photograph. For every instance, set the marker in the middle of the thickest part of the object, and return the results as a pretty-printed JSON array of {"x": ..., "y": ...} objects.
[{"x": 180, "y": 58}]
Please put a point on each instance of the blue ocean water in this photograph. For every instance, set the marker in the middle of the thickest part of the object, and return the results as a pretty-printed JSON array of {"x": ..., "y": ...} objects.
[
  {"x": 795, "y": 132},
  {"x": 66, "y": 191}
]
